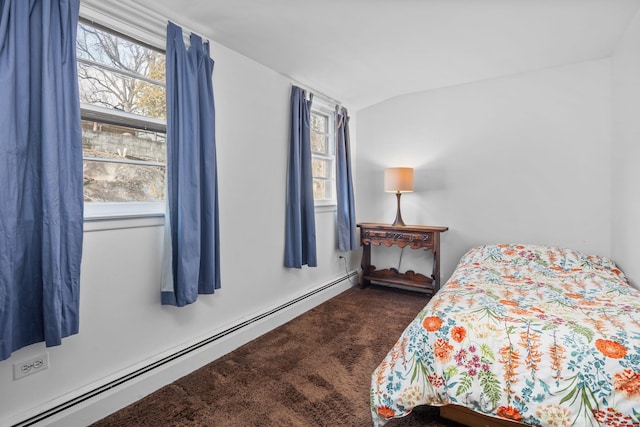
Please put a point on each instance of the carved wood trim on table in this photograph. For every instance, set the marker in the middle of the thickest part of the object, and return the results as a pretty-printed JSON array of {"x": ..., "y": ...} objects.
[{"x": 412, "y": 236}]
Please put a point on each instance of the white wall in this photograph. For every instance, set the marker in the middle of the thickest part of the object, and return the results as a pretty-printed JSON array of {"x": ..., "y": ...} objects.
[
  {"x": 524, "y": 158},
  {"x": 123, "y": 325},
  {"x": 626, "y": 153}
]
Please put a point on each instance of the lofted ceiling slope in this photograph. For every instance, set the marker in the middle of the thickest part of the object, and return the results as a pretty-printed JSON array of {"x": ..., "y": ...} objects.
[{"x": 362, "y": 52}]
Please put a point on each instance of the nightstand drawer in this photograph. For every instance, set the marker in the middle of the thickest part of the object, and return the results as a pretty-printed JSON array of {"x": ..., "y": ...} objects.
[{"x": 399, "y": 238}]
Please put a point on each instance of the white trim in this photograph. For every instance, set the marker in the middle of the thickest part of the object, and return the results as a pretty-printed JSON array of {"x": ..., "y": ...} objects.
[
  {"x": 323, "y": 207},
  {"x": 316, "y": 94},
  {"x": 326, "y": 110},
  {"x": 121, "y": 71},
  {"x": 135, "y": 20},
  {"x": 97, "y": 214},
  {"x": 96, "y": 113},
  {"x": 124, "y": 161},
  {"x": 322, "y": 105},
  {"x": 123, "y": 223},
  {"x": 128, "y": 18}
]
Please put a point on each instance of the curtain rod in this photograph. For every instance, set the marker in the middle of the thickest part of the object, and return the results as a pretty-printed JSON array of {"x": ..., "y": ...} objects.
[
  {"x": 319, "y": 94},
  {"x": 147, "y": 25}
]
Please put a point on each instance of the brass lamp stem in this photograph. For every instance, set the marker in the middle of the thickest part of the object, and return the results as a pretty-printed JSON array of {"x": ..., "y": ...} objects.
[{"x": 399, "y": 222}]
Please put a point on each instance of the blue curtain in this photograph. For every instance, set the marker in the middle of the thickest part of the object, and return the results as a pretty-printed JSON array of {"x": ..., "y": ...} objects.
[
  {"x": 346, "y": 218},
  {"x": 300, "y": 223},
  {"x": 192, "y": 183},
  {"x": 41, "y": 201}
]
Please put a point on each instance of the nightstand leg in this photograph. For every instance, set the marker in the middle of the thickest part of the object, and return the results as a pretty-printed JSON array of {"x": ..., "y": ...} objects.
[
  {"x": 436, "y": 262},
  {"x": 365, "y": 265}
]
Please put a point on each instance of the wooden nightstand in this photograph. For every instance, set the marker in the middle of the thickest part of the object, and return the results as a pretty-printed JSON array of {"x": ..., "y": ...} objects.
[{"x": 413, "y": 236}]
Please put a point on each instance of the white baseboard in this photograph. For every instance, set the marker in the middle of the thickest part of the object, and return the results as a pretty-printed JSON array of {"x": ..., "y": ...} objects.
[{"x": 98, "y": 401}]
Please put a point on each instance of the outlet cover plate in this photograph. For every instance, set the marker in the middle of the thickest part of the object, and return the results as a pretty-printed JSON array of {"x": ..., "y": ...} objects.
[{"x": 30, "y": 366}]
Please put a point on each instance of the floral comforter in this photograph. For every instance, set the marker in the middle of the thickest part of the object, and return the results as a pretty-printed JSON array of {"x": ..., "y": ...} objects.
[{"x": 540, "y": 335}]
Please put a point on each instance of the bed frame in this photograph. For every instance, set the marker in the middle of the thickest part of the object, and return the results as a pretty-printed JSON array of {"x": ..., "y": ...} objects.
[{"x": 469, "y": 418}]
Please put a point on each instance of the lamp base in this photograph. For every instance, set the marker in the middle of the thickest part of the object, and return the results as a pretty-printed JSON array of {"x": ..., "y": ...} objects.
[{"x": 398, "y": 222}]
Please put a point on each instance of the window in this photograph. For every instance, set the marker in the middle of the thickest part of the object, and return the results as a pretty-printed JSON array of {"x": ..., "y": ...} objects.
[
  {"x": 323, "y": 155},
  {"x": 123, "y": 108}
]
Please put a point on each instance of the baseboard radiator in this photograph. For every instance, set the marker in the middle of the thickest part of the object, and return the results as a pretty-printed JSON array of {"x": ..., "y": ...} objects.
[{"x": 177, "y": 355}]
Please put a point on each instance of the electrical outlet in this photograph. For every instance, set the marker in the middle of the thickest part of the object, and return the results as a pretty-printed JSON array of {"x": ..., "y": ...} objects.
[{"x": 30, "y": 366}]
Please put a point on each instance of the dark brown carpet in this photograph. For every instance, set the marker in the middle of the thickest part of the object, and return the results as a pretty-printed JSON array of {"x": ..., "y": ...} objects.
[{"x": 313, "y": 371}]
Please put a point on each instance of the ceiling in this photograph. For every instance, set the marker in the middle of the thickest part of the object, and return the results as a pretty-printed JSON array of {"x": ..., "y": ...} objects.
[{"x": 362, "y": 52}]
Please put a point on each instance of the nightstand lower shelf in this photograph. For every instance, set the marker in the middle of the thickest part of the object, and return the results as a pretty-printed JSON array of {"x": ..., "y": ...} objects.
[{"x": 393, "y": 277}]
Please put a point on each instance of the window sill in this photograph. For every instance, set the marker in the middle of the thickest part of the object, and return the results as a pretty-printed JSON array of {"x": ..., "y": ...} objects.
[
  {"x": 325, "y": 208},
  {"x": 121, "y": 223},
  {"x": 117, "y": 216}
]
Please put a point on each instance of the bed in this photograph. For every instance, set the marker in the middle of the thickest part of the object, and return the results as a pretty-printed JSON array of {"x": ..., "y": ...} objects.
[{"x": 525, "y": 334}]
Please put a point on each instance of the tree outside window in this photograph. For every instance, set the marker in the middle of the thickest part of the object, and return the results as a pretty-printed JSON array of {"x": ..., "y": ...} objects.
[{"x": 122, "y": 95}]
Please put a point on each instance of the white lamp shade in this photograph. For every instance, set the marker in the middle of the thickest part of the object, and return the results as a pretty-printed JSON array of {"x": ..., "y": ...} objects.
[{"x": 398, "y": 180}]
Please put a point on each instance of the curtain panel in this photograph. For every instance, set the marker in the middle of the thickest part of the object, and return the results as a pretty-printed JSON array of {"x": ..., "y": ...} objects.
[
  {"x": 192, "y": 244},
  {"x": 41, "y": 200},
  {"x": 300, "y": 225},
  {"x": 345, "y": 215}
]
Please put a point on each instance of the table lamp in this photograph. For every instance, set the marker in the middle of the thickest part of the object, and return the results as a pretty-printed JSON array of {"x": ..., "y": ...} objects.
[{"x": 398, "y": 180}]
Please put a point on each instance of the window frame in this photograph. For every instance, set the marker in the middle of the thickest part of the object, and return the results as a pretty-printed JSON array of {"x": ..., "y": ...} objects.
[
  {"x": 319, "y": 106},
  {"x": 99, "y": 211}
]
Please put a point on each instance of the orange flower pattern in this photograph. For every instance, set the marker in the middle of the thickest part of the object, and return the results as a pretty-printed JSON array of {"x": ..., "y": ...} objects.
[
  {"x": 509, "y": 412},
  {"x": 575, "y": 296},
  {"x": 611, "y": 417},
  {"x": 505, "y": 330},
  {"x": 432, "y": 323},
  {"x": 386, "y": 412},
  {"x": 557, "y": 355},
  {"x": 458, "y": 333},
  {"x": 628, "y": 382},
  {"x": 510, "y": 360},
  {"x": 507, "y": 302},
  {"x": 442, "y": 350},
  {"x": 610, "y": 348}
]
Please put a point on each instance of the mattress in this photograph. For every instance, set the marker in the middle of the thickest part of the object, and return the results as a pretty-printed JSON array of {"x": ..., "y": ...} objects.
[{"x": 539, "y": 335}]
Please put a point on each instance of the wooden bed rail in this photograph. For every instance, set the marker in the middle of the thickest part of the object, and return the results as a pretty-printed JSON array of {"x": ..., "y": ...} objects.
[{"x": 469, "y": 418}]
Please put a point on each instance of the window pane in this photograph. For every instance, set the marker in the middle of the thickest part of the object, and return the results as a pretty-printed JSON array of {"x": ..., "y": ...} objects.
[
  {"x": 118, "y": 73},
  {"x": 122, "y": 182},
  {"x": 111, "y": 141},
  {"x": 119, "y": 182},
  {"x": 124, "y": 161},
  {"x": 319, "y": 122},
  {"x": 323, "y": 158},
  {"x": 322, "y": 189},
  {"x": 111, "y": 50},
  {"x": 115, "y": 91},
  {"x": 321, "y": 168},
  {"x": 319, "y": 143}
]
